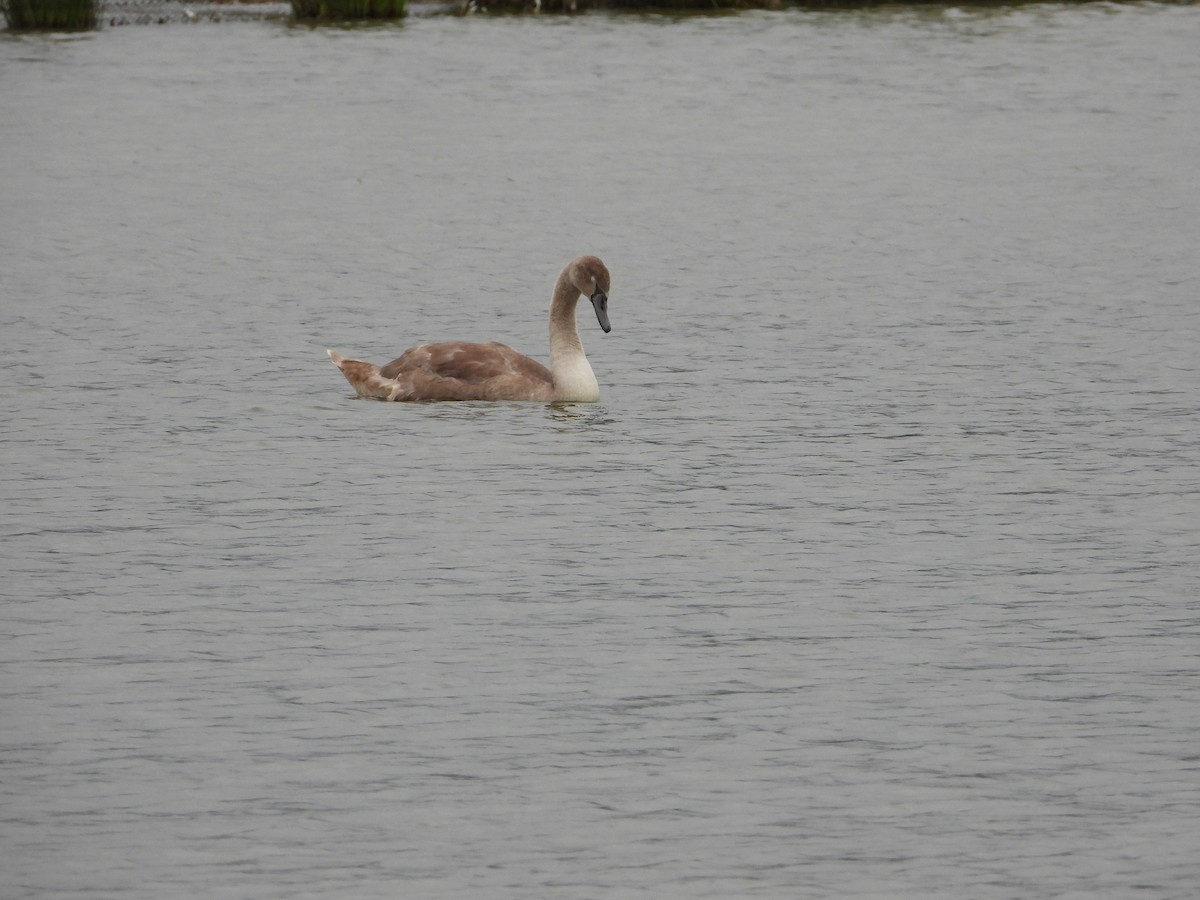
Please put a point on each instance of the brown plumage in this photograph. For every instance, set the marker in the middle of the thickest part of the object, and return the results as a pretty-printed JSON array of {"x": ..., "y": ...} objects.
[{"x": 460, "y": 370}]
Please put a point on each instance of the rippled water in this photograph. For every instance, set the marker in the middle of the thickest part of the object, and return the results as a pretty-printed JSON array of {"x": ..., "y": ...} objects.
[{"x": 873, "y": 575}]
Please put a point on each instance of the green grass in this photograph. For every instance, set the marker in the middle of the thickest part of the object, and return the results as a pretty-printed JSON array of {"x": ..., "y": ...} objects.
[
  {"x": 343, "y": 10},
  {"x": 50, "y": 15}
]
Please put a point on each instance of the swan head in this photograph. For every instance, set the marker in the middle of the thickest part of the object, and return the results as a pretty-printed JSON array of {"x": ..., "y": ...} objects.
[{"x": 591, "y": 278}]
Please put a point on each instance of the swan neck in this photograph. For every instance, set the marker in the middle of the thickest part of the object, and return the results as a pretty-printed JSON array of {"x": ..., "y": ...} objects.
[{"x": 573, "y": 375}]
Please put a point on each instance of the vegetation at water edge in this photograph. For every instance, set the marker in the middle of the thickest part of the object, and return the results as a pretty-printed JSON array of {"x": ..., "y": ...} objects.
[
  {"x": 345, "y": 10},
  {"x": 50, "y": 15}
]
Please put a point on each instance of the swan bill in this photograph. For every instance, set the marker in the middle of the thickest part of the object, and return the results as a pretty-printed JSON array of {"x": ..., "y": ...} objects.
[{"x": 600, "y": 304}]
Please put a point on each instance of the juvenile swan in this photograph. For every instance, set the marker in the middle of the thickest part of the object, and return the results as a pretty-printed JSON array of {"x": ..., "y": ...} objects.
[{"x": 458, "y": 370}]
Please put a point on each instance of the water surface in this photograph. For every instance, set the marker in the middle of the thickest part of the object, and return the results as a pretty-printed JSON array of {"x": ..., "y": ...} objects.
[{"x": 873, "y": 575}]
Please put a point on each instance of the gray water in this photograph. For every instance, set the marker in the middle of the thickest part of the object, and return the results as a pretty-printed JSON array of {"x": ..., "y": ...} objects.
[{"x": 874, "y": 574}]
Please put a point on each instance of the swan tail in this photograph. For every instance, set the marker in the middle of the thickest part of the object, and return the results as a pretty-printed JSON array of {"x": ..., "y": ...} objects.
[{"x": 364, "y": 377}]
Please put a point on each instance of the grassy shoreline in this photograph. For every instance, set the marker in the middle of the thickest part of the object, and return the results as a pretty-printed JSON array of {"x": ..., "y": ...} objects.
[
  {"x": 50, "y": 15},
  {"x": 83, "y": 15}
]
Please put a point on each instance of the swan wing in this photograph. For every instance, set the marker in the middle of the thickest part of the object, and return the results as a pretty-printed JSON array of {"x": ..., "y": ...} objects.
[{"x": 468, "y": 363}]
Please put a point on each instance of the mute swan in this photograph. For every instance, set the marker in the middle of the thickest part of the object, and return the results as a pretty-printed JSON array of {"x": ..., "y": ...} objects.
[{"x": 459, "y": 370}]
